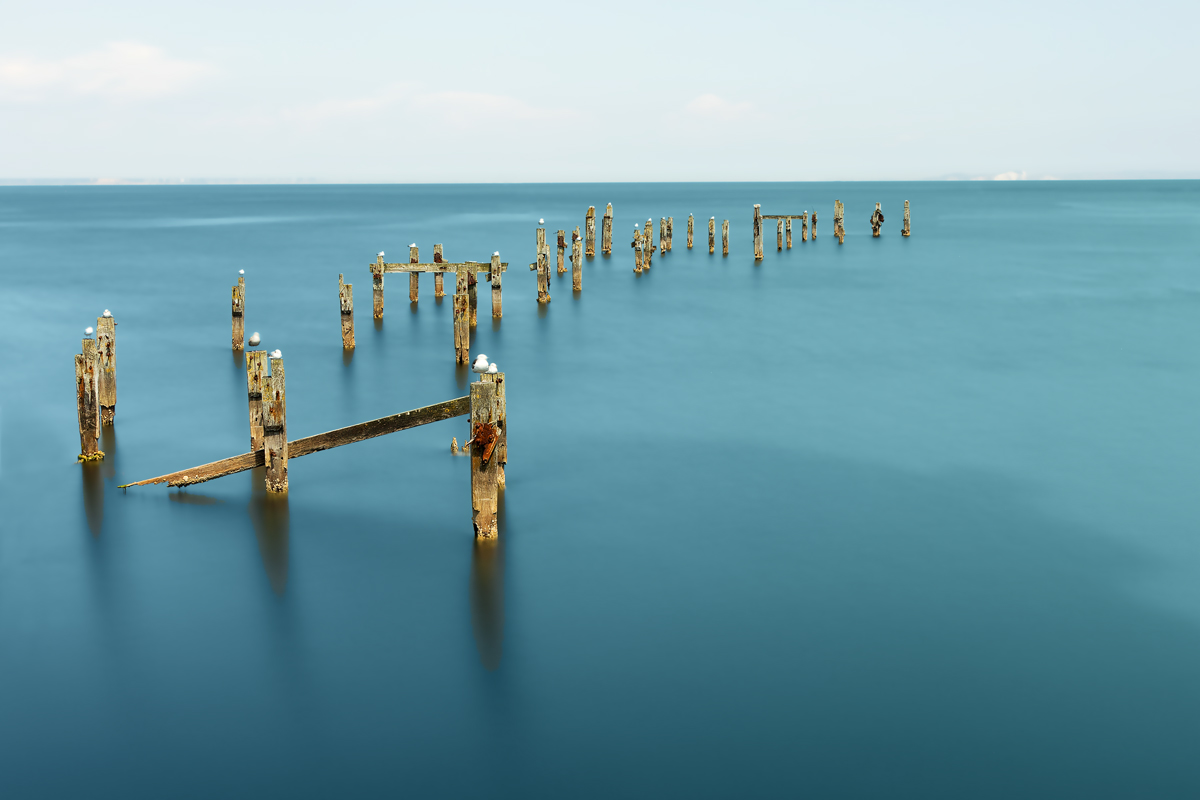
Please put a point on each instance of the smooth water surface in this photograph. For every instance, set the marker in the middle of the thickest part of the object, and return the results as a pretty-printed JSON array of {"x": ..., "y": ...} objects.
[{"x": 897, "y": 518}]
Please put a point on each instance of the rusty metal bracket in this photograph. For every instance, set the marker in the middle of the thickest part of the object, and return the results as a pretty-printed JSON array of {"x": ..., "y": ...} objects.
[{"x": 484, "y": 436}]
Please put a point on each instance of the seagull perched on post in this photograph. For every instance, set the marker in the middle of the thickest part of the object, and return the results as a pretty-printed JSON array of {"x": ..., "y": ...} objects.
[
  {"x": 88, "y": 332},
  {"x": 254, "y": 339},
  {"x": 107, "y": 314},
  {"x": 541, "y": 222},
  {"x": 481, "y": 364},
  {"x": 380, "y": 254},
  {"x": 276, "y": 354},
  {"x": 492, "y": 369},
  {"x": 241, "y": 272}
]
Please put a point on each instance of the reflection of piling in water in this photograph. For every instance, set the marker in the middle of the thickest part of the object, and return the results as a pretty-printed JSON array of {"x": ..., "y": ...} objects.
[
  {"x": 271, "y": 519},
  {"x": 487, "y": 600},
  {"x": 93, "y": 497},
  {"x": 108, "y": 443}
]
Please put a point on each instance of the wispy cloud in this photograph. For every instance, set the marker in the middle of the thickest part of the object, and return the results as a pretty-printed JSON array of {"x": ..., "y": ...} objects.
[
  {"x": 119, "y": 70},
  {"x": 715, "y": 107}
]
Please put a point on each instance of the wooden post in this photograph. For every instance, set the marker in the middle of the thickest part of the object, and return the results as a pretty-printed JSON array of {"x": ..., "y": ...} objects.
[
  {"x": 839, "y": 221},
  {"x": 876, "y": 221},
  {"x": 502, "y": 415},
  {"x": 462, "y": 328},
  {"x": 414, "y": 278},
  {"x": 636, "y": 244},
  {"x": 691, "y": 229},
  {"x": 814, "y": 226},
  {"x": 725, "y": 238},
  {"x": 275, "y": 441},
  {"x": 779, "y": 235},
  {"x": 346, "y": 300},
  {"x": 543, "y": 268},
  {"x": 495, "y": 276},
  {"x": 648, "y": 244},
  {"x": 239, "y": 310},
  {"x": 788, "y": 228},
  {"x": 472, "y": 297},
  {"x": 905, "y": 231},
  {"x": 758, "y": 244},
  {"x": 576, "y": 261},
  {"x": 591, "y": 231},
  {"x": 804, "y": 227},
  {"x": 562, "y": 251},
  {"x": 439, "y": 283},
  {"x": 256, "y": 368},
  {"x": 485, "y": 481},
  {"x": 606, "y": 231},
  {"x": 712, "y": 235},
  {"x": 106, "y": 349},
  {"x": 670, "y": 233},
  {"x": 87, "y": 391},
  {"x": 377, "y": 285},
  {"x": 662, "y": 235}
]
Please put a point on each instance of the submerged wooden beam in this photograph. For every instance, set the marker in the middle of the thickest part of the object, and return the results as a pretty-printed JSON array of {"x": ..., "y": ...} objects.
[{"x": 458, "y": 407}]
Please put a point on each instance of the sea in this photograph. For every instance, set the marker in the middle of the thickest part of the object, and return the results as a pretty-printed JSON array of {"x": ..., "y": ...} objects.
[{"x": 900, "y": 517}]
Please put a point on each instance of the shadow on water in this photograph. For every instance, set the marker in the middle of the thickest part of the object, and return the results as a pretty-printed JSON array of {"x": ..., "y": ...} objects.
[
  {"x": 108, "y": 444},
  {"x": 270, "y": 516},
  {"x": 378, "y": 322},
  {"x": 487, "y": 594},
  {"x": 239, "y": 359},
  {"x": 347, "y": 356},
  {"x": 462, "y": 375},
  {"x": 93, "y": 496},
  {"x": 496, "y": 324},
  {"x": 543, "y": 310}
]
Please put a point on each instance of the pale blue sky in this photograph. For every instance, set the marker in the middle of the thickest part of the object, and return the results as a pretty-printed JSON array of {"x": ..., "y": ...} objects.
[{"x": 375, "y": 91}]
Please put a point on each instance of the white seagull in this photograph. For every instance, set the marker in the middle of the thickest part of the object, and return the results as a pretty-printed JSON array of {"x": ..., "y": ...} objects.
[
  {"x": 88, "y": 331},
  {"x": 481, "y": 364},
  {"x": 380, "y": 254},
  {"x": 241, "y": 272},
  {"x": 541, "y": 222},
  {"x": 492, "y": 369},
  {"x": 255, "y": 340},
  {"x": 106, "y": 313},
  {"x": 276, "y": 354}
]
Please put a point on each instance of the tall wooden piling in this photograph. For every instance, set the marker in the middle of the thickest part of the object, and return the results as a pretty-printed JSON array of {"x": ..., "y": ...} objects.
[
  {"x": 377, "y": 286},
  {"x": 275, "y": 441},
  {"x": 670, "y": 233},
  {"x": 502, "y": 415},
  {"x": 495, "y": 278},
  {"x": 606, "y": 231},
  {"x": 256, "y": 370},
  {"x": 788, "y": 230},
  {"x": 472, "y": 297},
  {"x": 462, "y": 328},
  {"x": 779, "y": 235},
  {"x": 712, "y": 235},
  {"x": 648, "y": 244},
  {"x": 439, "y": 283},
  {"x": 414, "y": 278},
  {"x": 543, "y": 268},
  {"x": 758, "y": 243},
  {"x": 906, "y": 230},
  {"x": 239, "y": 311},
  {"x": 485, "y": 479},
  {"x": 839, "y": 221},
  {"x": 876, "y": 221},
  {"x": 346, "y": 301},
  {"x": 106, "y": 375},
  {"x": 814, "y": 226},
  {"x": 636, "y": 244},
  {"x": 576, "y": 261},
  {"x": 562, "y": 251},
  {"x": 804, "y": 227},
  {"x": 662, "y": 235},
  {"x": 725, "y": 238},
  {"x": 87, "y": 391},
  {"x": 690, "y": 231},
  {"x": 591, "y": 231}
]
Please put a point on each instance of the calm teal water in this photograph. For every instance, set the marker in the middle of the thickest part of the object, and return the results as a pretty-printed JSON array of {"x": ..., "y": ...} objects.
[{"x": 900, "y": 518}]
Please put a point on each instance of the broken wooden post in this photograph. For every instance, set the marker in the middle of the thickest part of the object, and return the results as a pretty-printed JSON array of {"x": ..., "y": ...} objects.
[
  {"x": 543, "y": 267},
  {"x": 377, "y": 285},
  {"x": 788, "y": 229},
  {"x": 414, "y": 278},
  {"x": 87, "y": 396},
  {"x": 712, "y": 235},
  {"x": 472, "y": 297},
  {"x": 502, "y": 416},
  {"x": 606, "y": 231},
  {"x": 804, "y": 227},
  {"x": 462, "y": 327},
  {"x": 839, "y": 221},
  {"x": 485, "y": 485},
  {"x": 691, "y": 229},
  {"x": 876, "y": 221},
  {"x": 648, "y": 244},
  {"x": 562, "y": 251},
  {"x": 636, "y": 244},
  {"x": 239, "y": 309},
  {"x": 256, "y": 368},
  {"x": 494, "y": 276},
  {"x": 725, "y": 238},
  {"x": 346, "y": 300},
  {"x": 814, "y": 226},
  {"x": 439, "y": 278},
  {"x": 779, "y": 235},
  {"x": 905, "y": 231},
  {"x": 591, "y": 231},
  {"x": 576, "y": 261},
  {"x": 275, "y": 443},
  {"x": 758, "y": 245},
  {"x": 662, "y": 235},
  {"x": 670, "y": 233},
  {"x": 106, "y": 375}
]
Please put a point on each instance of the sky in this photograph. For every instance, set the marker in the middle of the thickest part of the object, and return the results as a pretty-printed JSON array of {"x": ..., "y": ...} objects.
[{"x": 361, "y": 91}]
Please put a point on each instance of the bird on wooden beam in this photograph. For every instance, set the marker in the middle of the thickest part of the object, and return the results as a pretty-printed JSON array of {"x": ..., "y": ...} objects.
[{"x": 481, "y": 364}]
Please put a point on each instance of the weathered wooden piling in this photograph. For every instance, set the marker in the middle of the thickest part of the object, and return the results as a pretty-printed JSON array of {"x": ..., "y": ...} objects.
[
  {"x": 814, "y": 226},
  {"x": 495, "y": 277},
  {"x": 472, "y": 297},
  {"x": 591, "y": 231},
  {"x": 758, "y": 243},
  {"x": 576, "y": 261},
  {"x": 636, "y": 244},
  {"x": 502, "y": 416},
  {"x": 239, "y": 311},
  {"x": 377, "y": 286},
  {"x": 712, "y": 235},
  {"x": 275, "y": 443},
  {"x": 690, "y": 230},
  {"x": 788, "y": 229},
  {"x": 485, "y": 479},
  {"x": 562, "y": 251},
  {"x": 87, "y": 391},
  {"x": 662, "y": 235},
  {"x": 414, "y": 278},
  {"x": 906, "y": 230},
  {"x": 670, "y": 233},
  {"x": 804, "y": 227},
  {"x": 725, "y": 238},
  {"x": 439, "y": 283},
  {"x": 876, "y": 221},
  {"x": 462, "y": 327},
  {"x": 606, "y": 231},
  {"x": 256, "y": 370},
  {"x": 106, "y": 375},
  {"x": 779, "y": 235},
  {"x": 648, "y": 244},
  {"x": 839, "y": 221},
  {"x": 543, "y": 267},
  {"x": 346, "y": 300}
]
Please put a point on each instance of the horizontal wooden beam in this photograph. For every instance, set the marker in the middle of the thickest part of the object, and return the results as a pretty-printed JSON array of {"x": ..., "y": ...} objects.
[
  {"x": 786, "y": 216},
  {"x": 458, "y": 407},
  {"x": 443, "y": 266}
]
